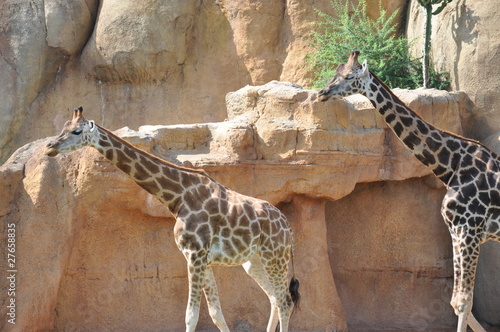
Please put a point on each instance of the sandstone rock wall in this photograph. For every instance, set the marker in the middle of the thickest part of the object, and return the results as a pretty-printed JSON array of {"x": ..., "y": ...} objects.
[
  {"x": 146, "y": 62},
  {"x": 173, "y": 67},
  {"x": 413, "y": 259},
  {"x": 466, "y": 43},
  {"x": 95, "y": 251},
  {"x": 37, "y": 39},
  {"x": 175, "y": 62}
]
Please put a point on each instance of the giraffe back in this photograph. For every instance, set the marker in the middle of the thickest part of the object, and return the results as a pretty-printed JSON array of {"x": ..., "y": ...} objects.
[
  {"x": 228, "y": 227},
  {"x": 473, "y": 198}
]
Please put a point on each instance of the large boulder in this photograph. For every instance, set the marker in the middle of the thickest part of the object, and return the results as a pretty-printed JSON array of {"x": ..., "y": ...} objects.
[
  {"x": 38, "y": 38},
  {"x": 129, "y": 45}
]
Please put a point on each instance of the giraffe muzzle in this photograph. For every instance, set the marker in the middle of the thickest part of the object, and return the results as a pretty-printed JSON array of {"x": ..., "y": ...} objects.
[
  {"x": 323, "y": 95},
  {"x": 51, "y": 149}
]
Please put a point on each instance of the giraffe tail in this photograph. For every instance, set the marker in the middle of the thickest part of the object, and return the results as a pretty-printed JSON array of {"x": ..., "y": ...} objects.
[
  {"x": 294, "y": 292},
  {"x": 294, "y": 283}
]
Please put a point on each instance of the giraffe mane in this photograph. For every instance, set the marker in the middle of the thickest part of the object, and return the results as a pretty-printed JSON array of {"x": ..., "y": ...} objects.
[
  {"x": 396, "y": 98},
  {"x": 155, "y": 158}
]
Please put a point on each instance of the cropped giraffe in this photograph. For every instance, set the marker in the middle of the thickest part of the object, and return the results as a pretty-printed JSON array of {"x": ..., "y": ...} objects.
[
  {"x": 470, "y": 172},
  {"x": 214, "y": 225}
]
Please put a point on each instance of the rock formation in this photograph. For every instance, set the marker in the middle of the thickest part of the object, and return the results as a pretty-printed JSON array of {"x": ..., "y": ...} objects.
[
  {"x": 37, "y": 40},
  {"x": 96, "y": 251},
  {"x": 465, "y": 42},
  {"x": 105, "y": 259},
  {"x": 146, "y": 62}
]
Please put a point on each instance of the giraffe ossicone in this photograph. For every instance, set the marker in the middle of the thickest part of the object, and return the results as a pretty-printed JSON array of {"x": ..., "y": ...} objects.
[
  {"x": 214, "y": 225},
  {"x": 469, "y": 170}
]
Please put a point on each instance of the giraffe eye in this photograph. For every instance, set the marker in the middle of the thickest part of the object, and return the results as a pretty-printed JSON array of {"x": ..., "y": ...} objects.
[
  {"x": 76, "y": 132},
  {"x": 349, "y": 77}
]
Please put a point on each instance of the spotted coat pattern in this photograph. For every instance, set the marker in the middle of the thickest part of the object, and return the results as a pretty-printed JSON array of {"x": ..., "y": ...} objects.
[
  {"x": 214, "y": 225},
  {"x": 470, "y": 172}
]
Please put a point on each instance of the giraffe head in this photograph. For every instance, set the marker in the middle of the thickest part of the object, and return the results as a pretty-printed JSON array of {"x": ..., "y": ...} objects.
[
  {"x": 76, "y": 133},
  {"x": 349, "y": 79}
]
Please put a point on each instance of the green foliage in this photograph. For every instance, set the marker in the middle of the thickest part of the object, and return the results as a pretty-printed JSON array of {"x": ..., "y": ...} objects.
[
  {"x": 388, "y": 55},
  {"x": 427, "y": 6},
  {"x": 425, "y": 3}
]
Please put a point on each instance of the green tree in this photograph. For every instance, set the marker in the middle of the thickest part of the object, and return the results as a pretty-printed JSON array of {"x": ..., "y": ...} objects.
[
  {"x": 388, "y": 54},
  {"x": 427, "y": 4}
]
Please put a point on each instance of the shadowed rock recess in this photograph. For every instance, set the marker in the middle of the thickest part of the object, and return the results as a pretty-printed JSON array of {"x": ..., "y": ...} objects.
[{"x": 96, "y": 252}]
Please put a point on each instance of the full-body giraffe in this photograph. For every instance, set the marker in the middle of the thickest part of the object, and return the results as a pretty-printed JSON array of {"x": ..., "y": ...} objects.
[
  {"x": 470, "y": 172},
  {"x": 214, "y": 225}
]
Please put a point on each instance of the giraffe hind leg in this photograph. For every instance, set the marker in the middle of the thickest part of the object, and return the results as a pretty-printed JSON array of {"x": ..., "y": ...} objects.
[
  {"x": 213, "y": 302},
  {"x": 277, "y": 274},
  {"x": 474, "y": 324},
  {"x": 255, "y": 269},
  {"x": 465, "y": 263}
]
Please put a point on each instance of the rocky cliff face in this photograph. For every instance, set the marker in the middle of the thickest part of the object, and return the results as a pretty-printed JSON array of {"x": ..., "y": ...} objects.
[
  {"x": 465, "y": 43},
  {"x": 91, "y": 241},
  {"x": 147, "y": 62},
  {"x": 364, "y": 211}
]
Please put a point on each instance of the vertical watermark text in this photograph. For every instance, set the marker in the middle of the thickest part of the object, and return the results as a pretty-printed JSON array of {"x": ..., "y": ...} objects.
[{"x": 11, "y": 273}]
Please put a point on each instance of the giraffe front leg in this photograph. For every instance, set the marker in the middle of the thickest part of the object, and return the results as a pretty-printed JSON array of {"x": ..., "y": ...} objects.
[
  {"x": 196, "y": 277},
  {"x": 457, "y": 273},
  {"x": 212, "y": 296},
  {"x": 466, "y": 255},
  {"x": 474, "y": 324}
]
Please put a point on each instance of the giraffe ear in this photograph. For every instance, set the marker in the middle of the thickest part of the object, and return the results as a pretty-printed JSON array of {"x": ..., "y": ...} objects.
[
  {"x": 364, "y": 67},
  {"x": 77, "y": 112},
  {"x": 92, "y": 125}
]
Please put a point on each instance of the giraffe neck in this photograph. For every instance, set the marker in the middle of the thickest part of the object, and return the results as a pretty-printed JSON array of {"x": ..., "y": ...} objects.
[
  {"x": 166, "y": 181},
  {"x": 435, "y": 148}
]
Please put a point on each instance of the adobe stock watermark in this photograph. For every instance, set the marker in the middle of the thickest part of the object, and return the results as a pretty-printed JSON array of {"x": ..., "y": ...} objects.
[
  {"x": 427, "y": 316},
  {"x": 99, "y": 299},
  {"x": 11, "y": 273}
]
